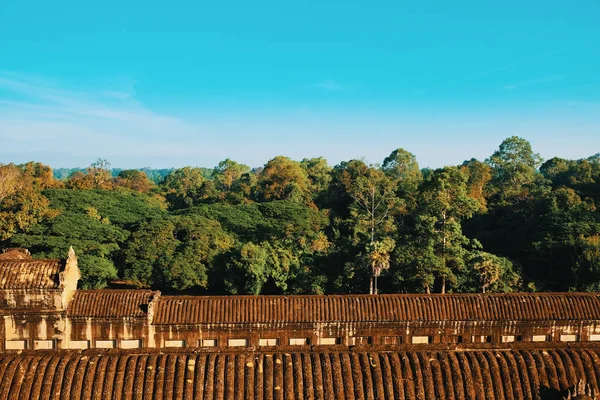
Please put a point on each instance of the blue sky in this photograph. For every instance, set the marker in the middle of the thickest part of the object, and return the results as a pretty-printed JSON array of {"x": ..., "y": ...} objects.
[{"x": 161, "y": 84}]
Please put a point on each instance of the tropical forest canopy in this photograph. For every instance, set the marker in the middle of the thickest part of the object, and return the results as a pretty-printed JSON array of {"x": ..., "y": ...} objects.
[{"x": 510, "y": 222}]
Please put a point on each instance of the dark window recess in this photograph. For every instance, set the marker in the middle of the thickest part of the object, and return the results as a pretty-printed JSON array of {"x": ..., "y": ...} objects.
[{"x": 452, "y": 339}]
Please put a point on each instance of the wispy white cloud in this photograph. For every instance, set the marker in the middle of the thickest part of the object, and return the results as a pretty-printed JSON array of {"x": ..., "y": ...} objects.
[
  {"x": 117, "y": 95},
  {"x": 45, "y": 95},
  {"x": 38, "y": 116},
  {"x": 519, "y": 85},
  {"x": 50, "y": 122},
  {"x": 520, "y": 62}
]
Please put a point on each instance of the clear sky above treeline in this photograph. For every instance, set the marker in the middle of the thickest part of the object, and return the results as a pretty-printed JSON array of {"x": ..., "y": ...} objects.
[{"x": 168, "y": 84}]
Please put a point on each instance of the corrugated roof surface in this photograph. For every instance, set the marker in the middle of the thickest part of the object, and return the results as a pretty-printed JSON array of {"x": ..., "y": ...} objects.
[
  {"x": 15, "y": 254},
  {"x": 29, "y": 274},
  {"x": 407, "y": 375},
  {"x": 110, "y": 303},
  {"x": 464, "y": 307}
]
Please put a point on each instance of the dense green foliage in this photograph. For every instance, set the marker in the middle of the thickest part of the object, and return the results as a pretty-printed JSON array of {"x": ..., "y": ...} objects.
[{"x": 511, "y": 222}]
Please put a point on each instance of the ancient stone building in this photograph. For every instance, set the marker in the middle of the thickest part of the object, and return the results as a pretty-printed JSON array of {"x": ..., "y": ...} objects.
[
  {"x": 42, "y": 309},
  {"x": 34, "y": 295},
  {"x": 60, "y": 342}
]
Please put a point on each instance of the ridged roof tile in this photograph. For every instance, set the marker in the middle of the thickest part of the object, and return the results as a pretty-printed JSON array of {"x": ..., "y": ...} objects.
[
  {"x": 409, "y": 375},
  {"x": 30, "y": 274},
  {"x": 365, "y": 308},
  {"x": 110, "y": 303}
]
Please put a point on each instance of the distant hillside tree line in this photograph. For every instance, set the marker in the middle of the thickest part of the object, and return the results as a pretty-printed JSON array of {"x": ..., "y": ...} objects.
[
  {"x": 510, "y": 222},
  {"x": 155, "y": 176}
]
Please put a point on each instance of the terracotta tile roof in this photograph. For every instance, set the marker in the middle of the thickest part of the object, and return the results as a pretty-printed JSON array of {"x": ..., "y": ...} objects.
[
  {"x": 408, "y": 375},
  {"x": 354, "y": 308},
  {"x": 110, "y": 303},
  {"x": 15, "y": 254},
  {"x": 30, "y": 274}
]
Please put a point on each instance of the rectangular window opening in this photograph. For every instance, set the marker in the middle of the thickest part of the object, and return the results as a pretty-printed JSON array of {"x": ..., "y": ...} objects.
[
  {"x": 299, "y": 341},
  {"x": 569, "y": 338},
  {"x": 421, "y": 339},
  {"x": 105, "y": 344},
  {"x": 391, "y": 340},
  {"x": 540, "y": 338},
  {"x": 79, "y": 344},
  {"x": 330, "y": 341},
  {"x": 15, "y": 345},
  {"x": 174, "y": 343},
  {"x": 44, "y": 344},
  {"x": 358, "y": 340},
  {"x": 268, "y": 342},
  {"x": 208, "y": 343},
  {"x": 131, "y": 344},
  {"x": 237, "y": 342},
  {"x": 481, "y": 339}
]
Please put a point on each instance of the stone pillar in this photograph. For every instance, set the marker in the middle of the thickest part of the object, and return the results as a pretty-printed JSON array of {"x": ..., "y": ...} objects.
[{"x": 69, "y": 278}]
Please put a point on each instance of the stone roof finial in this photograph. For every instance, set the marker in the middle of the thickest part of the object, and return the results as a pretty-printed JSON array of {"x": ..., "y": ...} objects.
[
  {"x": 152, "y": 305},
  {"x": 72, "y": 253}
]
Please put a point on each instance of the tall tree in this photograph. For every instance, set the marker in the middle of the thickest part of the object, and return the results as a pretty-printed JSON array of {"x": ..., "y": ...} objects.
[
  {"x": 22, "y": 205},
  {"x": 556, "y": 170},
  {"x": 318, "y": 173},
  {"x": 40, "y": 176},
  {"x": 444, "y": 204},
  {"x": 229, "y": 178},
  {"x": 495, "y": 274},
  {"x": 478, "y": 176},
  {"x": 100, "y": 174},
  {"x": 370, "y": 198},
  {"x": 514, "y": 166},
  {"x": 97, "y": 176},
  {"x": 378, "y": 255},
  {"x": 227, "y": 172},
  {"x": 10, "y": 180},
  {"x": 283, "y": 179},
  {"x": 134, "y": 179},
  {"x": 373, "y": 197},
  {"x": 402, "y": 166},
  {"x": 183, "y": 187}
]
